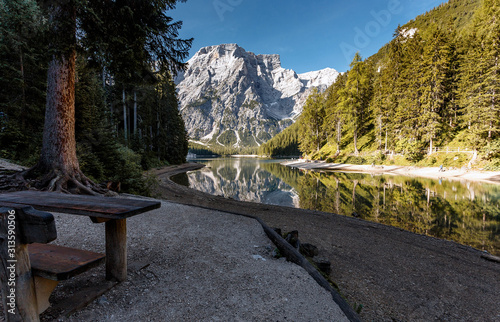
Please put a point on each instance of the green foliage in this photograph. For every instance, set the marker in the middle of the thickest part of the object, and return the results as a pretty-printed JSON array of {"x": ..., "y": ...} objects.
[
  {"x": 201, "y": 150},
  {"x": 121, "y": 49},
  {"x": 459, "y": 12},
  {"x": 119, "y": 164},
  {"x": 311, "y": 134},
  {"x": 128, "y": 38},
  {"x": 101, "y": 156},
  {"x": 19, "y": 146},
  {"x": 23, "y": 61},
  {"x": 129, "y": 171},
  {"x": 218, "y": 150},
  {"x": 283, "y": 144},
  {"x": 355, "y": 98},
  {"x": 227, "y": 138},
  {"x": 492, "y": 150},
  {"x": 412, "y": 149},
  {"x": 161, "y": 134}
]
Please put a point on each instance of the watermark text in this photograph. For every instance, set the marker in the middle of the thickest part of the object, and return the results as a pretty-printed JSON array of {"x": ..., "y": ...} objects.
[
  {"x": 223, "y": 6},
  {"x": 11, "y": 262}
]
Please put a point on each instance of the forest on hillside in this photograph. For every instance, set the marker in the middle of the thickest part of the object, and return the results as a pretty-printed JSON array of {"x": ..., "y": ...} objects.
[
  {"x": 435, "y": 86},
  {"x": 126, "y": 109}
]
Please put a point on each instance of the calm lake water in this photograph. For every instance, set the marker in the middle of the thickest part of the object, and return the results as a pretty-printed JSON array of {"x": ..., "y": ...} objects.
[{"x": 464, "y": 211}]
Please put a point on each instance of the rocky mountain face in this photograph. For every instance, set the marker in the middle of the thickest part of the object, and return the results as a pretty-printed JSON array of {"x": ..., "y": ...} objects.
[{"x": 231, "y": 97}]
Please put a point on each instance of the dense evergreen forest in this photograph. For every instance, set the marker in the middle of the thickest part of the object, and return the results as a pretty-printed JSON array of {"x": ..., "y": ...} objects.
[
  {"x": 126, "y": 110},
  {"x": 285, "y": 143},
  {"x": 434, "y": 87}
]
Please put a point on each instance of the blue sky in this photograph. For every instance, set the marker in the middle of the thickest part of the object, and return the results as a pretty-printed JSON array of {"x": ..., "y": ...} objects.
[{"x": 308, "y": 35}]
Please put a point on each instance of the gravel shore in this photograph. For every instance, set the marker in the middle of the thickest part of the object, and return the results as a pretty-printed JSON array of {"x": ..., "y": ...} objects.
[{"x": 192, "y": 264}]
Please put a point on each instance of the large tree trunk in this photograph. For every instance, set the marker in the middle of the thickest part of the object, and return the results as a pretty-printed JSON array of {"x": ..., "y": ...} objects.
[
  {"x": 58, "y": 161},
  {"x": 59, "y": 144}
]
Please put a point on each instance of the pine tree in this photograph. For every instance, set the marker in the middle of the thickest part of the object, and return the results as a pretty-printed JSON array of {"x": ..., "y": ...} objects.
[
  {"x": 171, "y": 143},
  {"x": 388, "y": 90},
  {"x": 334, "y": 114},
  {"x": 434, "y": 78},
  {"x": 406, "y": 123},
  {"x": 491, "y": 43},
  {"x": 311, "y": 135},
  {"x": 286, "y": 143},
  {"x": 357, "y": 96}
]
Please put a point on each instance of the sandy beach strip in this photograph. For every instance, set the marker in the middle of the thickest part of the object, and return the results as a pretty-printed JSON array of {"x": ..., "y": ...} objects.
[{"x": 427, "y": 172}]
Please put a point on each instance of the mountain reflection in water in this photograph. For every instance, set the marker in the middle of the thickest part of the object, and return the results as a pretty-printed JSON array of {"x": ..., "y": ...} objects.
[{"x": 466, "y": 212}]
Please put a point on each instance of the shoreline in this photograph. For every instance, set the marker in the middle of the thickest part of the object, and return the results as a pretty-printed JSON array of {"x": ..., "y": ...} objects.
[
  {"x": 394, "y": 274},
  {"x": 426, "y": 172}
]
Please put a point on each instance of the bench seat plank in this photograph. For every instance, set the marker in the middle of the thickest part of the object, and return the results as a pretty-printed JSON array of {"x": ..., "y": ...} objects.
[
  {"x": 93, "y": 206},
  {"x": 61, "y": 263}
]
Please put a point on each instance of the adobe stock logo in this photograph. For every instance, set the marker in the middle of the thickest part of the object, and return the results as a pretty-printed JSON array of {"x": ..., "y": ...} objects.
[
  {"x": 223, "y": 6},
  {"x": 372, "y": 29}
]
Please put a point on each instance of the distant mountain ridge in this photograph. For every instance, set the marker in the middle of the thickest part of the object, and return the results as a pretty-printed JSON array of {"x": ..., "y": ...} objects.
[{"x": 234, "y": 98}]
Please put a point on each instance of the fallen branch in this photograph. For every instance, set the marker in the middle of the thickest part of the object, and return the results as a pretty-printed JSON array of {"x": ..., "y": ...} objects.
[{"x": 491, "y": 258}]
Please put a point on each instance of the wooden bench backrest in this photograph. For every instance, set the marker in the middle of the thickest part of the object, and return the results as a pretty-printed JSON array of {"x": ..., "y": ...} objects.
[{"x": 27, "y": 225}]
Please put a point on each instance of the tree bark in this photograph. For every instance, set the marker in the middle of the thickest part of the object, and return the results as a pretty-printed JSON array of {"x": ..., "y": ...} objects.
[
  {"x": 356, "y": 152},
  {"x": 59, "y": 144},
  {"x": 125, "y": 129},
  {"x": 135, "y": 113},
  {"x": 385, "y": 140},
  {"x": 23, "y": 80}
]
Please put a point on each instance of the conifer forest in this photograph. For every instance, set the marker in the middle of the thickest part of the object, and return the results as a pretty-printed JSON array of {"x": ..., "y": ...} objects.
[
  {"x": 434, "y": 87},
  {"x": 123, "y": 57}
]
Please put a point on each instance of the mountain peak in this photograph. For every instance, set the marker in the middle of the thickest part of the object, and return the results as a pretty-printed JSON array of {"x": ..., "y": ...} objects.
[
  {"x": 231, "y": 97},
  {"x": 319, "y": 78}
]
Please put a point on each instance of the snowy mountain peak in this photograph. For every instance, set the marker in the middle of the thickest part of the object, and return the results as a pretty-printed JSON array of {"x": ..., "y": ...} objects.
[
  {"x": 232, "y": 97},
  {"x": 323, "y": 77}
]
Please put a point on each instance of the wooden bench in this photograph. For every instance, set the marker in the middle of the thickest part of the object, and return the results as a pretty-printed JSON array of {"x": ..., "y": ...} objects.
[
  {"x": 111, "y": 211},
  {"x": 40, "y": 228},
  {"x": 38, "y": 266}
]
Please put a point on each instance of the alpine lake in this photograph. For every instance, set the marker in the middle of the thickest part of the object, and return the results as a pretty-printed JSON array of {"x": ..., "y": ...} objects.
[{"x": 466, "y": 212}]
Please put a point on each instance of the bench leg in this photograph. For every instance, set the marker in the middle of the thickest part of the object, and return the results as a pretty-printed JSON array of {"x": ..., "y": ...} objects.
[
  {"x": 25, "y": 288},
  {"x": 43, "y": 288},
  {"x": 116, "y": 250}
]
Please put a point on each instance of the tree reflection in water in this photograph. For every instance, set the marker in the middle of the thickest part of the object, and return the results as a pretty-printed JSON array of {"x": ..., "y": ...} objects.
[{"x": 466, "y": 212}]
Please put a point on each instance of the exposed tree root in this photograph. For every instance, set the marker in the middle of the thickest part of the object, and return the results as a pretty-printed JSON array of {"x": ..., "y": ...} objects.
[{"x": 51, "y": 180}]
